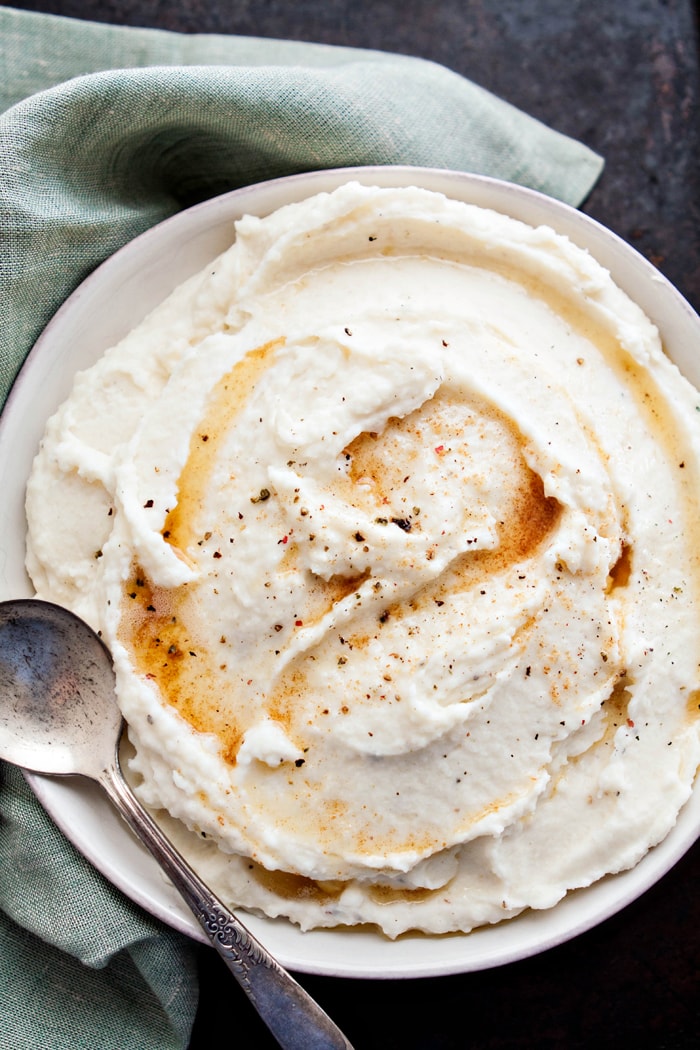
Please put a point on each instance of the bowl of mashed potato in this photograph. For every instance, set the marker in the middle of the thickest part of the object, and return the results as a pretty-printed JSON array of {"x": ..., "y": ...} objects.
[{"x": 382, "y": 486}]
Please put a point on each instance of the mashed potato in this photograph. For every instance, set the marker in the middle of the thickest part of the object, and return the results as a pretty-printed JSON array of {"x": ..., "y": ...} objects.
[{"x": 389, "y": 518}]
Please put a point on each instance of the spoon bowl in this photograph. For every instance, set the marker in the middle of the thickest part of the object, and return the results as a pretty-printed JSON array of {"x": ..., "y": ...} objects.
[{"x": 59, "y": 715}]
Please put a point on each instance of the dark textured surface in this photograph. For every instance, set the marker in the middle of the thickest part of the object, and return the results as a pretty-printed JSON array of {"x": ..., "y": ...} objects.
[{"x": 624, "y": 78}]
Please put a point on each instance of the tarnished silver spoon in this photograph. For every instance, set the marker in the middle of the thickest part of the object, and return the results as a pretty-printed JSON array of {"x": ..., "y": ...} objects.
[{"x": 58, "y": 715}]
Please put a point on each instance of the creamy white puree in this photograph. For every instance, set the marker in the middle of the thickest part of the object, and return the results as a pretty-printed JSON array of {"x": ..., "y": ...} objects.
[{"x": 389, "y": 520}]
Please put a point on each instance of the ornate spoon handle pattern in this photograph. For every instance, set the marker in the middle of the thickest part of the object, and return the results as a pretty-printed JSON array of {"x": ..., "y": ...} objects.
[{"x": 294, "y": 1018}]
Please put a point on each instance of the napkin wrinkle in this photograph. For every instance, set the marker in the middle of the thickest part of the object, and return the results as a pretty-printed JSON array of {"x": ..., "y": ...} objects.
[
  {"x": 173, "y": 985},
  {"x": 82, "y": 952},
  {"x": 34, "y": 853},
  {"x": 50, "y": 1001},
  {"x": 82, "y": 46},
  {"x": 325, "y": 118}
]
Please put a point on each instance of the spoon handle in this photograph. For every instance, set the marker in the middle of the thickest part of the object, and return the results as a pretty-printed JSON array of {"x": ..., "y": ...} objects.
[{"x": 294, "y": 1018}]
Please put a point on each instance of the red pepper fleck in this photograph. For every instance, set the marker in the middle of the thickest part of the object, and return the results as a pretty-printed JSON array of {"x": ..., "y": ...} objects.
[
  {"x": 439, "y": 449},
  {"x": 298, "y": 623},
  {"x": 630, "y": 723}
]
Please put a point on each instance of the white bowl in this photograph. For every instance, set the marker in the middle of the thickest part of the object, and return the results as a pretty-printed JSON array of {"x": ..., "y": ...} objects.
[{"x": 108, "y": 304}]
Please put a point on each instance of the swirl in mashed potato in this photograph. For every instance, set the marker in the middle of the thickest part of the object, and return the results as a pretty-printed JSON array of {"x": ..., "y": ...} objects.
[{"x": 389, "y": 520}]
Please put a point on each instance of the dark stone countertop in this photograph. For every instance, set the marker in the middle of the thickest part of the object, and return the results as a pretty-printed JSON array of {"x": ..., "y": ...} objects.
[{"x": 625, "y": 79}]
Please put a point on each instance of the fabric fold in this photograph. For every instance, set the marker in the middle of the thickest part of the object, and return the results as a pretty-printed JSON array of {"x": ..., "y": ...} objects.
[{"x": 76, "y": 955}]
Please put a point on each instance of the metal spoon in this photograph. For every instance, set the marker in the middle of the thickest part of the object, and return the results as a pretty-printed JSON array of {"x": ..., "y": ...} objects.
[{"x": 58, "y": 715}]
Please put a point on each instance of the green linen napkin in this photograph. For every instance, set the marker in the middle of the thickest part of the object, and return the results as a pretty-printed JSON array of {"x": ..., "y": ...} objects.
[{"x": 104, "y": 132}]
